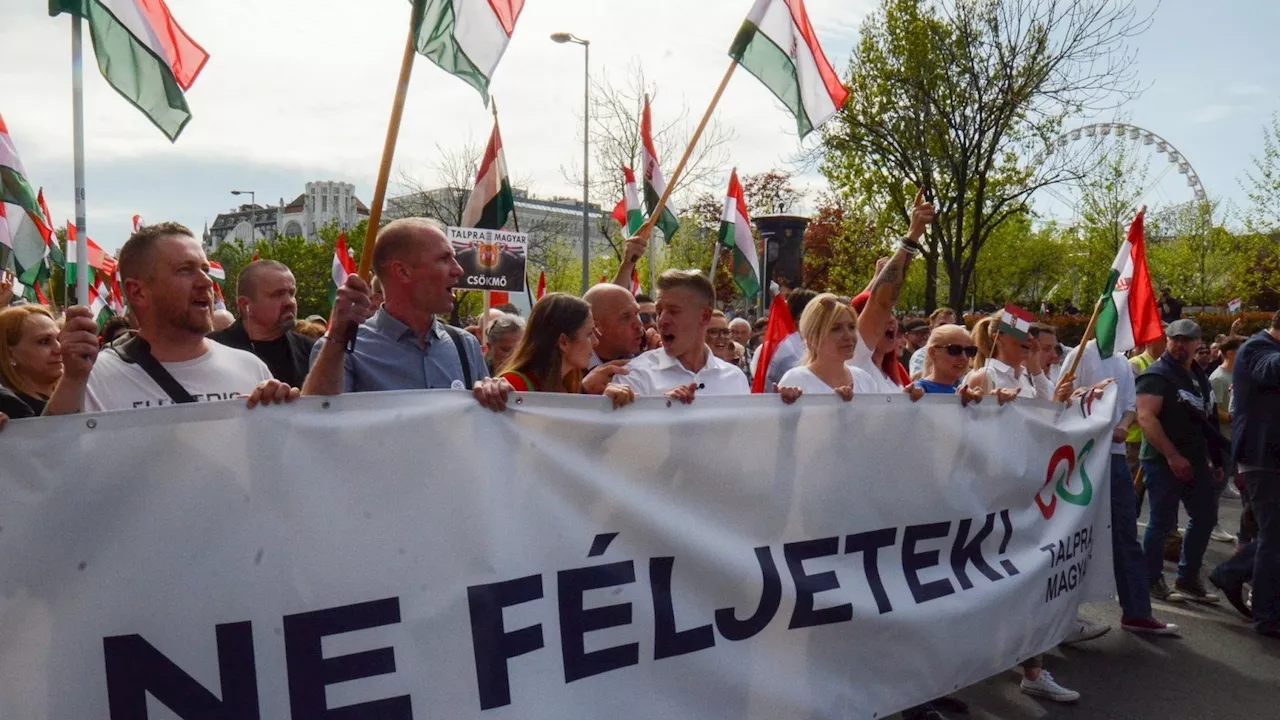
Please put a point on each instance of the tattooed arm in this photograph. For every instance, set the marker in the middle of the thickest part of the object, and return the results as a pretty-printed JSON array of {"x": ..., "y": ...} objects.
[{"x": 888, "y": 281}]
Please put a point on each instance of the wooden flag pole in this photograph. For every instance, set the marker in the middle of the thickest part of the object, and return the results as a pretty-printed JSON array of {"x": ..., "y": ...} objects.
[
  {"x": 1070, "y": 375},
  {"x": 647, "y": 228},
  {"x": 388, "y": 153}
]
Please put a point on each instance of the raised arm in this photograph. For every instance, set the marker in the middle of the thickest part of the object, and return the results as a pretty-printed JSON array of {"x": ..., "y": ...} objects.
[
  {"x": 887, "y": 284},
  {"x": 328, "y": 368},
  {"x": 636, "y": 246}
]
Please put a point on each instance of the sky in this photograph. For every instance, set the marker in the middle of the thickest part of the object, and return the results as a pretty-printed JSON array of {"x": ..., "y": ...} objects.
[{"x": 300, "y": 90}]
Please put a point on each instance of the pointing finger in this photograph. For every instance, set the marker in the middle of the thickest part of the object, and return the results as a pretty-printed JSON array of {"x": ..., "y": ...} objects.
[{"x": 919, "y": 196}]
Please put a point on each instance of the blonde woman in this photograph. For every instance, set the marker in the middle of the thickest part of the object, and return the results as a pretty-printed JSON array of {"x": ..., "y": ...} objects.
[
  {"x": 947, "y": 356},
  {"x": 1005, "y": 362},
  {"x": 829, "y": 329},
  {"x": 30, "y": 357}
]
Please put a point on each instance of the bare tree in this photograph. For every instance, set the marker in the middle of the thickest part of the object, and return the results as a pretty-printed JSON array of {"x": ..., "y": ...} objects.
[
  {"x": 966, "y": 100},
  {"x": 615, "y": 142}
]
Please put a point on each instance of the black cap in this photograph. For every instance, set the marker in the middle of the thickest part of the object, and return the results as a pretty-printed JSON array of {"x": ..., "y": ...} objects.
[{"x": 915, "y": 324}]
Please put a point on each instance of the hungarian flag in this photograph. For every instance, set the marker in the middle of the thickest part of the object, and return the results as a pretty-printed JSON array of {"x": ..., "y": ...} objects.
[
  {"x": 98, "y": 260},
  {"x": 542, "y": 284},
  {"x": 100, "y": 299},
  {"x": 144, "y": 54},
  {"x": 53, "y": 251},
  {"x": 735, "y": 234},
  {"x": 654, "y": 184},
  {"x": 1015, "y": 322},
  {"x": 628, "y": 212},
  {"x": 781, "y": 326},
  {"x": 343, "y": 266},
  {"x": 137, "y": 223},
  {"x": 1129, "y": 316},
  {"x": 466, "y": 38},
  {"x": 777, "y": 44},
  {"x": 16, "y": 192},
  {"x": 635, "y": 282},
  {"x": 256, "y": 257},
  {"x": 216, "y": 273},
  {"x": 491, "y": 200}
]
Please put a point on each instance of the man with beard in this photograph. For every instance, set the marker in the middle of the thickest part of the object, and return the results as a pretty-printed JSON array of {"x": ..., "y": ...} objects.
[
  {"x": 268, "y": 312},
  {"x": 404, "y": 345},
  {"x": 166, "y": 281},
  {"x": 620, "y": 332},
  {"x": 1181, "y": 459}
]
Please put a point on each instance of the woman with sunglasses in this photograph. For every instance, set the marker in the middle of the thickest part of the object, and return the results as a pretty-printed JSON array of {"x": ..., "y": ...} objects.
[
  {"x": 948, "y": 354},
  {"x": 1006, "y": 362},
  {"x": 829, "y": 330}
]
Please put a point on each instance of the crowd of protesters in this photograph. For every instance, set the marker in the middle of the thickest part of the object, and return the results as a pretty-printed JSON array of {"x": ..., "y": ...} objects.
[{"x": 1191, "y": 417}]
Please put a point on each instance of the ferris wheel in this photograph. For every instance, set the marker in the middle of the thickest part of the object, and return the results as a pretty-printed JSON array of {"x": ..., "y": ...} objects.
[{"x": 1153, "y": 162}]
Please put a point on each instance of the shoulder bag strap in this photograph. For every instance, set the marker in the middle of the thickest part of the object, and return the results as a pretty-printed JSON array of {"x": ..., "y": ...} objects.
[
  {"x": 138, "y": 351},
  {"x": 456, "y": 336}
]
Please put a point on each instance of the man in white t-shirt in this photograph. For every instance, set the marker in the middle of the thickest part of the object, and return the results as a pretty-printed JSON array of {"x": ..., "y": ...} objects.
[
  {"x": 166, "y": 281},
  {"x": 684, "y": 366}
]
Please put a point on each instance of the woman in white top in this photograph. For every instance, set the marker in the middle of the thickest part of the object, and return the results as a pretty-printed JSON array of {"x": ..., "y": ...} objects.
[
  {"x": 829, "y": 330},
  {"x": 1006, "y": 361}
]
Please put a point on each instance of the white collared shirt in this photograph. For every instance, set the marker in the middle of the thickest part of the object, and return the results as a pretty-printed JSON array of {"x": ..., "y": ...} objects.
[
  {"x": 1094, "y": 369},
  {"x": 655, "y": 372},
  {"x": 1001, "y": 375},
  {"x": 864, "y": 360}
]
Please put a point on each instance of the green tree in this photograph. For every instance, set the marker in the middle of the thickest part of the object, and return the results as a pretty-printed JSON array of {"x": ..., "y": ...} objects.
[{"x": 965, "y": 99}]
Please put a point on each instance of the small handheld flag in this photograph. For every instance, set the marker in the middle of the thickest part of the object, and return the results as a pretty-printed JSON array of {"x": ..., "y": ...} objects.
[{"x": 1015, "y": 322}]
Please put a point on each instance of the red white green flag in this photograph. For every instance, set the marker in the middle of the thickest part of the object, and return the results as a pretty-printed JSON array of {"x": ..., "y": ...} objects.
[
  {"x": 466, "y": 38},
  {"x": 735, "y": 234},
  {"x": 627, "y": 212},
  {"x": 654, "y": 183},
  {"x": 98, "y": 259},
  {"x": 491, "y": 200},
  {"x": 1129, "y": 316},
  {"x": 781, "y": 326},
  {"x": 778, "y": 45},
  {"x": 1015, "y": 322},
  {"x": 144, "y": 54},
  {"x": 217, "y": 273},
  {"x": 343, "y": 267}
]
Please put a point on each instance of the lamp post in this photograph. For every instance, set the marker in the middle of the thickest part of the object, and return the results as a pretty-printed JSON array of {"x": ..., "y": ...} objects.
[
  {"x": 562, "y": 37},
  {"x": 253, "y": 200}
]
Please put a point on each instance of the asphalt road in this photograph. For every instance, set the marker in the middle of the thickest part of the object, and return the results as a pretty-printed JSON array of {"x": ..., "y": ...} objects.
[{"x": 1217, "y": 668}]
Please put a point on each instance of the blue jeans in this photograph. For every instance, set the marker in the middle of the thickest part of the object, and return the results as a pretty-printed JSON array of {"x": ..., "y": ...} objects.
[
  {"x": 1199, "y": 497},
  {"x": 1259, "y": 561},
  {"x": 1126, "y": 554}
]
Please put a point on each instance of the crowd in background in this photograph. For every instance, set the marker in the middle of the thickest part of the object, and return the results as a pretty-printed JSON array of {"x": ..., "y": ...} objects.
[{"x": 1194, "y": 420}]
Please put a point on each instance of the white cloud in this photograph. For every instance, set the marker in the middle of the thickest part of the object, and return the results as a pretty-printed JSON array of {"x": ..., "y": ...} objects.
[{"x": 302, "y": 89}]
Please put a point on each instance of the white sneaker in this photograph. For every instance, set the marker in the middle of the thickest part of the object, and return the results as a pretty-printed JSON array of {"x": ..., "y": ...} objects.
[
  {"x": 1044, "y": 687},
  {"x": 1085, "y": 631},
  {"x": 1222, "y": 535},
  {"x": 1230, "y": 492}
]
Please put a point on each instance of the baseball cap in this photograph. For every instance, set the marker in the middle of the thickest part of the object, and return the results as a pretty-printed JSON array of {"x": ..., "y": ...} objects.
[
  {"x": 915, "y": 324},
  {"x": 316, "y": 318},
  {"x": 1183, "y": 328}
]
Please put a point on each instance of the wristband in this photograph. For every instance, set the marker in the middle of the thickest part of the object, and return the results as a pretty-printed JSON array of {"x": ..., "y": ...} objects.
[{"x": 911, "y": 248}]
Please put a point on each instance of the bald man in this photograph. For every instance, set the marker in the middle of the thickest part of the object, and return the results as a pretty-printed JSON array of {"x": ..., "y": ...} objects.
[
  {"x": 403, "y": 345},
  {"x": 621, "y": 335}
]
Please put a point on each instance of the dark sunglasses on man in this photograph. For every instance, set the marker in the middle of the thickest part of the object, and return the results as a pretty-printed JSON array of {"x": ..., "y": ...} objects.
[
  {"x": 958, "y": 350},
  {"x": 646, "y": 318}
]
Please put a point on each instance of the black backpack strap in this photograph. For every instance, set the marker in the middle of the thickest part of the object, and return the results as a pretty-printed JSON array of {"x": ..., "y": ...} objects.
[
  {"x": 137, "y": 351},
  {"x": 458, "y": 344}
]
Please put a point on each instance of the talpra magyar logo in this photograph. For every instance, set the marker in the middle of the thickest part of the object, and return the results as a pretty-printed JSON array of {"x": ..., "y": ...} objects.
[{"x": 1065, "y": 454}]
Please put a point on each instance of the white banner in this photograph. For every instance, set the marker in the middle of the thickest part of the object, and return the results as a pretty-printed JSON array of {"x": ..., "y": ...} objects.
[{"x": 413, "y": 555}]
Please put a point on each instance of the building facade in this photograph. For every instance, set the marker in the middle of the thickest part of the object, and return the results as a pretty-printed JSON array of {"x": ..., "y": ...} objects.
[{"x": 321, "y": 204}]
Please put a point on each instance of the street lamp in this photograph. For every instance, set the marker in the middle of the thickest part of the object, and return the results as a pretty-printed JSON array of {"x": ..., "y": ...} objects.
[
  {"x": 562, "y": 38},
  {"x": 253, "y": 200}
]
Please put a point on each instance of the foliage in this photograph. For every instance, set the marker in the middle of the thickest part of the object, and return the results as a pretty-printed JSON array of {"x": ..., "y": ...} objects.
[
  {"x": 311, "y": 264},
  {"x": 965, "y": 99}
]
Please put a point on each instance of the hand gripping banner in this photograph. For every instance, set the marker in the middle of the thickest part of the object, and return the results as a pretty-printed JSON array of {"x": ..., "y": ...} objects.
[{"x": 413, "y": 555}]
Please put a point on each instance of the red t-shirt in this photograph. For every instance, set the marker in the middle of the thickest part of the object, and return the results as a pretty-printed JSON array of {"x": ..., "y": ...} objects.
[{"x": 520, "y": 381}]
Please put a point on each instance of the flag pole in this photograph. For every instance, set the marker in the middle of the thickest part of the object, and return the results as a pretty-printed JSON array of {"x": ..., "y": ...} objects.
[
  {"x": 388, "y": 151},
  {"x": 1070, "y": 375},
  {"x": 77, "y": 123},
  {"x": 647, "y": 228}
]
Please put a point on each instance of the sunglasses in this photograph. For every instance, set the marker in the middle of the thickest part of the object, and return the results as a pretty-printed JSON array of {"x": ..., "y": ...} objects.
[
  {"x": 718, "y": 333},
  {"x": 646, "y": 318},
  {"x": 958, "y": 350}
]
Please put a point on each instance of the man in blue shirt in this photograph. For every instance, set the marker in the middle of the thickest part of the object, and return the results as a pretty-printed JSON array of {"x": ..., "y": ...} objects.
[
  {"x": 403, "y": 345},
  {"x": 1255, "y": 447}
]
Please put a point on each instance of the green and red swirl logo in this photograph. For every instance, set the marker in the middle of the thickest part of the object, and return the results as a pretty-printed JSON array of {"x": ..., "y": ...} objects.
[{"x": 1059, "y": 478}]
